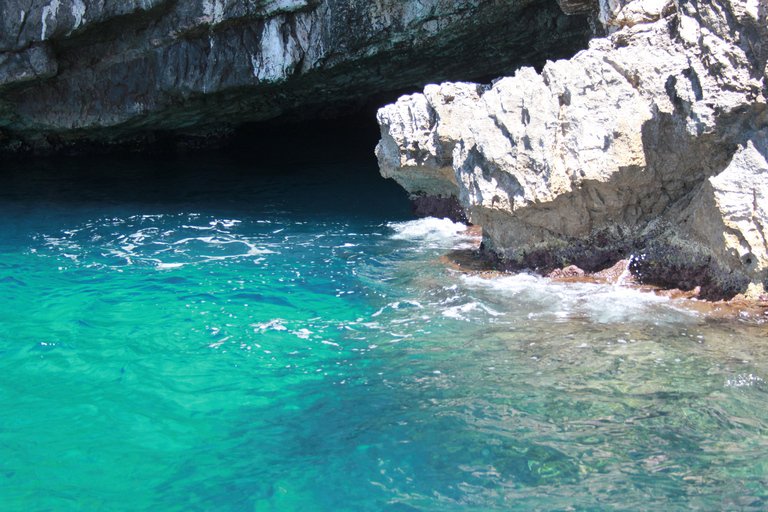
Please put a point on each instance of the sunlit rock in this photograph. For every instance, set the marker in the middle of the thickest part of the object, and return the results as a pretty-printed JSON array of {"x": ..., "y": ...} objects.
[
  {"x": 729, "y": 213},
  {"x": 604, "y": 155},
  {"x": 615, "y": 14},
  {"x": 418, "y": 134}
]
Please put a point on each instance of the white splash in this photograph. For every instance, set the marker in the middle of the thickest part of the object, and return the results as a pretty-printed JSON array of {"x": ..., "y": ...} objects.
[
  {"x": 276, "y": 324},
  {"x": 461, "y": 312},
  {"x": 168, "y": 266},
  {"x": 742, "y": 381},
  {"x": 625, "y": 274},
  {"x": 437, "y": 233},
  {"x": 602, "y": 303},
  {"x": 304, "y": 334}
]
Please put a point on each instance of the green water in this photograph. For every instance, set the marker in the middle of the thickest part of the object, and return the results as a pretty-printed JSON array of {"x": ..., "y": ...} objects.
[{"x": 219, "y": 335}]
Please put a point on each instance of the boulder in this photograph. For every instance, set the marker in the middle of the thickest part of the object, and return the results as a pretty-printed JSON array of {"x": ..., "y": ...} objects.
[{"x": 728, "y": 214}]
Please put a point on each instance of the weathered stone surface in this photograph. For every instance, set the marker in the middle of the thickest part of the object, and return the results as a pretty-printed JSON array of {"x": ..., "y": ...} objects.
[
  {"x": 32, "y": 21},
  {"x": 415, "y": 150},
  {"x": 84, "y": 69},
  {"x": 729, "y": 211},
  {"x": 33, "y": 63},
  {"x": 615, "y": 14},
  {"x": 604, "y": 155},
  {"x": 577, "y": 6}
]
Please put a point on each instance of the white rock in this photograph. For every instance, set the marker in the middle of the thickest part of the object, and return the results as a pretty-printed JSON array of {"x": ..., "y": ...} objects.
[
  {"x": 415, "y": 149},
  {"x": 729, "y": 213}
]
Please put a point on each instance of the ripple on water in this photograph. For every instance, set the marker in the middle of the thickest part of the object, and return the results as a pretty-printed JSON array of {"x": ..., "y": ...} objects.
[{"x": 274, "y": 362}]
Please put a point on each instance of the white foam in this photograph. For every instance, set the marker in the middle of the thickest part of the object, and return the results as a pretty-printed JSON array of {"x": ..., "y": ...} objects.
[
  {"x": 541, "y": 296},
  {"x": 275, "y": 324},
  {"x": 167, "y": 266},
  {"x": 303, "y": 333},
  {"x": 436, "y": 232},
  {"x": 461, "y": 312},
  {"x": 742, "y": 381}
]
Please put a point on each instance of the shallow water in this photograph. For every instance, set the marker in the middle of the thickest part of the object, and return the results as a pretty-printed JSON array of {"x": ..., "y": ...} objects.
[{"x": 211, "y": 334}]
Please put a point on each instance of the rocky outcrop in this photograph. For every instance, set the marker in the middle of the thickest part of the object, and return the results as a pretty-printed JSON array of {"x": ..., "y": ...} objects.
[
  {"x": 647, "y": 144},
  {"x": 87, "y": 70}
]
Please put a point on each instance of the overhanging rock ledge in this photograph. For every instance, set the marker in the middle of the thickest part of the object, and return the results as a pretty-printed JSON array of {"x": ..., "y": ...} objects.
[{"x": 74, "y": 72}]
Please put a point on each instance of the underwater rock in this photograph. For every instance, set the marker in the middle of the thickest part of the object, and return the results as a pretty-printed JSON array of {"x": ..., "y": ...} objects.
[
  {"x": 646, "y": 143},
  {"x": 75, "y": 71}
]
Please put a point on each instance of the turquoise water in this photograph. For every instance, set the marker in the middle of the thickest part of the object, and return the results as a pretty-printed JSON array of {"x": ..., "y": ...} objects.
[{"x": 246, "y": 334}]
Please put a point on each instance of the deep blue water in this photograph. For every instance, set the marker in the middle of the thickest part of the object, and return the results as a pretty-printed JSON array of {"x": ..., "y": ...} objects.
[{"x": 271, "y": 331}]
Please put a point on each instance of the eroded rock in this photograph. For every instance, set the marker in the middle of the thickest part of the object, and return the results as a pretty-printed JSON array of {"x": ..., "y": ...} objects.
[
  {"x": 728, "y": 214},
  {"x": 645, "y": 144},
  {"x": 415, "y": 149}
]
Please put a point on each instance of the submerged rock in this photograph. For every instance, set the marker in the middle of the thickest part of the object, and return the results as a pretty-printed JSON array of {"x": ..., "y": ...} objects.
[
  {"x": 107, "y": 72},
  {"x": 647, "y": 143}
]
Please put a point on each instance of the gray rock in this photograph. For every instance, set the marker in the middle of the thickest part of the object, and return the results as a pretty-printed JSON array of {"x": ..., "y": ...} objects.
[
  {"x": 31, "y": 64},
  {"x": 74, "y": 70},
  {"x": 619, "y": 144},
  {"x": 577, "y": 6}
]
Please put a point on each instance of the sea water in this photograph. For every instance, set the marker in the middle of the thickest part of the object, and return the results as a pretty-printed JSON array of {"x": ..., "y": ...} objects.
[{"x": 278, "y": 335}]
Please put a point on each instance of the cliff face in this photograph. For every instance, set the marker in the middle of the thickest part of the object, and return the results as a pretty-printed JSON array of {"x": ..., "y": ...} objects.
[
  {"x": 74, "y": 70},
  {"x": 649, "y": 143}
]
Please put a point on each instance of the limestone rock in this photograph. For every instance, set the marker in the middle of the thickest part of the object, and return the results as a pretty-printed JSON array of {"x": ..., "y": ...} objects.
[
  {"x": 33, "y": 21},
  {"x": 615, "y": 14},
  {"x": 729, "y": 213},
  {"x": 73, "y": 70},
  {"x": 415, "y": 150},
  {"x": 577, "y": 6},
  {"x": 33, "y": 63},
  {"x": 606, "y": 154}
]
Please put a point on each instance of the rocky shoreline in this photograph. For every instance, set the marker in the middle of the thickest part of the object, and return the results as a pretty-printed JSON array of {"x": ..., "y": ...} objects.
[
  {"x": 646, "y": 141},
  {"x": 475, "y": 261},
  {"x": 649, "y": 146}
]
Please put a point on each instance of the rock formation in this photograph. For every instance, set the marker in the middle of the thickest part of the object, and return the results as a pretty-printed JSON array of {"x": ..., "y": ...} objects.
[
  {"x": 649, "y": 143},
  {"x": 112, "y": 72}
]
